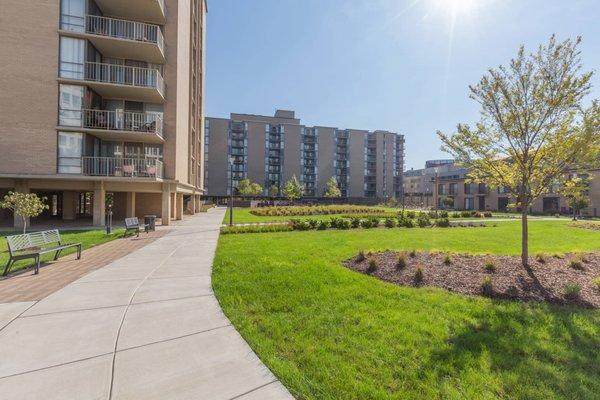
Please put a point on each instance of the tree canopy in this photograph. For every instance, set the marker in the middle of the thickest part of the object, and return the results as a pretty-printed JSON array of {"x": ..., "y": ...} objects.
[
  {"x": 332, "y": 190},
  {"x": 292, "y": 189},
  {"x": 25, "y": 205},
  {"x": 246, "y": 187}
]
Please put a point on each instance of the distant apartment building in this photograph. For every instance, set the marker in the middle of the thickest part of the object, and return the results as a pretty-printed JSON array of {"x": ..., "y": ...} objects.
[
  {"x": 102, "y": 100},
  {"x": 270, "y": 150},
  {"x": 442, "y": 180}
]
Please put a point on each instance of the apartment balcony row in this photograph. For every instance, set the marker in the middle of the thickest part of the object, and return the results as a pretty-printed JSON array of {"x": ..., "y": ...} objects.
[
  {"x": 309, "y": 139},
  {"x": 142, "y": 10},
  {"x": 118, "y": 81},
  {"x": 119, "y": 38},
  {"x": 115, "y": 125},
  {"x": 139, "y": 167}
]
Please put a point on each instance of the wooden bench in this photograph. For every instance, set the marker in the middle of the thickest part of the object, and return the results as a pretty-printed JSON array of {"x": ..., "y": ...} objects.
[
  {"x": 33, "y": 245},
  {"x": 133, "y": 224}
]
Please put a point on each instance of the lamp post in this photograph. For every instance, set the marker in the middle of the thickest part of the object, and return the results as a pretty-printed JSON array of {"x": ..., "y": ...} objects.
[
  {"x": 231, "y": 160},
  {"x": 435, "y": 191},
  {"x": 403, "y": 194}
]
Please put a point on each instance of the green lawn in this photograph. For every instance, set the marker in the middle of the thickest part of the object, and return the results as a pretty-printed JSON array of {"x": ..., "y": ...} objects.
[
  {"x": 88, "y": 238},
  {"x": 330, "y": 333}
]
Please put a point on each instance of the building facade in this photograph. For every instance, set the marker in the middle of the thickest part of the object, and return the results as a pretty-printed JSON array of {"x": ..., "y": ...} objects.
[
  {"x": 102, "y": 101},
  {"x": 270, "y": 150},
  {"x": 442, "y": 181}
]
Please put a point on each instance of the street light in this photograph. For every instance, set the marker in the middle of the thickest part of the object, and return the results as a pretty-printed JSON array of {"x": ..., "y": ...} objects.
[
  {"x": 231, "y": 160},
  {"x": 403, "y": 193}
]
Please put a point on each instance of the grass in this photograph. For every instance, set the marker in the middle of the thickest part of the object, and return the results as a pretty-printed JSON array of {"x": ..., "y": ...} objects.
[
  {"x": 88, "y": 238},
  {"x": 330, "y": 333}
]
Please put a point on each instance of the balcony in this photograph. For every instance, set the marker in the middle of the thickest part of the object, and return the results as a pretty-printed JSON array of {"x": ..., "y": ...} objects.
[
  {"x": 121, "y": 81},
  {"x": 142, "y": 10},
  {"x": 115, "y": 125},
  {"x": 141, "y": 167}
]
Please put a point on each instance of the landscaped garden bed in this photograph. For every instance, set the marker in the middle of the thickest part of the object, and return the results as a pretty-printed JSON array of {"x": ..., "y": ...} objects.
[
  {"x": 595, "y": 226},
  {"x": 315, "y": 210},
  {"x": 568, "y": 279}
]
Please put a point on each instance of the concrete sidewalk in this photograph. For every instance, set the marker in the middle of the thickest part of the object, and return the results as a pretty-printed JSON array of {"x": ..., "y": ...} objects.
[{"x": 146, "y": 326}]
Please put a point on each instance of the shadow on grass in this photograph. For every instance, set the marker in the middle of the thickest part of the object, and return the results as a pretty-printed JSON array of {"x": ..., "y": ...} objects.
[{"x": 540, "y": 351}]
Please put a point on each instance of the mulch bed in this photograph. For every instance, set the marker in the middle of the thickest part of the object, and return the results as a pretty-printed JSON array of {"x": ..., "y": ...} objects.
[{"x": 541, "y": 281}]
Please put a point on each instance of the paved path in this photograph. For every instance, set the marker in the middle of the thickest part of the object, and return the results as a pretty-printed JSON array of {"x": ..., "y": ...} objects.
[{"x": 147, "y": 326}]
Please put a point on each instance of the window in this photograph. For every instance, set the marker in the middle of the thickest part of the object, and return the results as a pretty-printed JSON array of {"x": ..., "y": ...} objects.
[
  {"x": 71, "y": 58},
  {"x": 70, "y": 105},
  {"x": 72, "y": 15},
  {"x": 469, "y": 203},
  {"x": 70, "y": 145}
]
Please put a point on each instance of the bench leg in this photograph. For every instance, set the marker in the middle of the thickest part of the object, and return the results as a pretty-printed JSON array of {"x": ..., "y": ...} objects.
[
  {"x": 79, "y": 252},
  {"x": 57, "y": 254},
  {"x": 37, "y": 265},
  {"x": 138, "y": 232},
  {"x": 7, "y": 267}
]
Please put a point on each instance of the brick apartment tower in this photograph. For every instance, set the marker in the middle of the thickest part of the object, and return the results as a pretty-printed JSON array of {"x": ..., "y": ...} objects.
[{"x": 103, "y": 96}]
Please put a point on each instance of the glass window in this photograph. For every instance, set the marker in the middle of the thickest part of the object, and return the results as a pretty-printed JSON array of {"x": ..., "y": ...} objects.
[
  {"x": 70, "y": 145},
  {"x": 71, "y": 57},
  {"x": 72, "y": 15},
  {"x": 70, "y": 105}
]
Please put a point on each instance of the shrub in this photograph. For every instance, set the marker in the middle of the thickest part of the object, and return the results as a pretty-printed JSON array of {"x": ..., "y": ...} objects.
[
  {"x": 312, "y": 223},
  {"x": 447, "y": 259},
  {"x": 390, "y": 223},
  {"x": 572, "y": 290},
  {"x": 299, "y": 225},
  {"x": 333, "y": 222},
  {"x": 366, "y": 223},
  {"x": 407, "y": 223},
  {"x": 401, "y": 262},
  {"x": 355, "y": 222},
  {"x": 322, "y": 225},
  {"x": 442, "y": 223},
  {"x": 374, "y": 221},
  {"x": 540, "y": 257},
  {"x": 455, "y": 215},
  {"x": 488, "y": 214},
  {"x": 361, "y": 256},
  {"x": 486, "y": 286},
  {"x": 372, "y": 266},
  {"x": 444, "y": 214},
  {"x": 226, "y": 230},
  {"x": 477, "y": 215},
  {"x": 315, "y": 210},
  {"x": 343, "y": 224},
  {"x": 576, "y": 264},
  {"x": 465, "y": 214},
  {"x": 596, "y": 281},
  {"x": 413, "y": 253},
  {"x": 423, "y": 220},
  {"x": 432, "y": 214},
  {"x": 409, "y": 214},
  {"x": 489, "y": 266},
  {"x": 419, "y": 274}
]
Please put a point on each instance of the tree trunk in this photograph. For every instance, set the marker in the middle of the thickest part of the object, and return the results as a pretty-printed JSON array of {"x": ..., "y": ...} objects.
[
  {"x": 524, "y": 238},
  {"x": 24, "y": 224}
]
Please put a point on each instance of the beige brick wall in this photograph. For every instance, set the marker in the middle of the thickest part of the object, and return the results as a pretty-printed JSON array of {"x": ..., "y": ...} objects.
[{"x": 28, "y": 86}]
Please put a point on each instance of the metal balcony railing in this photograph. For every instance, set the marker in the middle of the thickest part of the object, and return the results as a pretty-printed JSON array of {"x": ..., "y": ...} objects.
[
  {"x": 117, "y": 120},
  {"x": 140, "y": 167},
  {"x": 124, "y": 75},
  {"x": 124, "y": 29}
]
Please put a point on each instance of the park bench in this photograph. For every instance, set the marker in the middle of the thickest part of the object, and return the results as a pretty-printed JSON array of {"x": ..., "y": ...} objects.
[
  {"x": 34, "y": 245},
  {"x": 133, "y": 224}
]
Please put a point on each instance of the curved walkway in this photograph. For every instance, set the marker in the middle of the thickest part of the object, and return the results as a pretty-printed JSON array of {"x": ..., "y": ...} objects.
[{"x": 146, "y": 326}]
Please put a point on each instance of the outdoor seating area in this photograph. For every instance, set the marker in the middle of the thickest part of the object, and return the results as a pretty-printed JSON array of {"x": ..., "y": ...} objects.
[{"x": 133, "y": 225}]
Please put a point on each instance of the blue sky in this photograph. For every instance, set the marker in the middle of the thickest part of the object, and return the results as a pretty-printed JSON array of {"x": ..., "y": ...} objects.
[{"x": 398, "y": 65}]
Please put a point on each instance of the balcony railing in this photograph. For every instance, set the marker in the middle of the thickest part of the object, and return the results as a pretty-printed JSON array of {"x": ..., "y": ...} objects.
[
  {"x": 124, "y": 29},
  {"x": 124, "y": 75},
  {"x": 116, "y": 120},
  {"x": 140, "y": 167}
]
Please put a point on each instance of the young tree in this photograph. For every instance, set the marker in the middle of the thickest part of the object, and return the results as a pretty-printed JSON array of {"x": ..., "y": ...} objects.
[
  {"x": 273, "y": 191},
  {"x": 246, "y": 187},
  {"x": 448, "y": 202},
  {"x": 575, "y": 191},
  {"x": 25, "y": 205},
  {"x": 533, "y": 126},
  {"x": 332, "y": 190},
  {"x": 292, "y": 189}
]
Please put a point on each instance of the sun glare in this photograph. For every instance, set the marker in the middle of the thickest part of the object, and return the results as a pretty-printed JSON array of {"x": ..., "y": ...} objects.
[{"x": 457, "y": 6}]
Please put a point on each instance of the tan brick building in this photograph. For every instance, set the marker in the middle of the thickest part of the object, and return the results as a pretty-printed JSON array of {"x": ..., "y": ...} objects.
[
  {"x": 270, "y": 150},
  {"x": 103, "y": 96},
  {"x": 441, "y": 179}
]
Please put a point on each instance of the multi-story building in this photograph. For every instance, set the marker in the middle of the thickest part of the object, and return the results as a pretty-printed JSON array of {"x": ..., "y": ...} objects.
[
  {"x": 443, "y": 181},
  {"x": 270, "y": 150},
  {"x": 102, "y": 100}
]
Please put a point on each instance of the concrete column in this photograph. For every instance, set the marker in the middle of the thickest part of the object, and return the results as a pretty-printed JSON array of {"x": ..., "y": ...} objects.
[
  {"x": 99, "y": 213},
  {"x": 130, "y": 205},
  {"x": 21, "y": 186},
  {"x": 166, "y": 205},
  {"x": 179, "y": 206},
  {"x": 69, "y": 205},
  {"x": 192, "y": 206}
]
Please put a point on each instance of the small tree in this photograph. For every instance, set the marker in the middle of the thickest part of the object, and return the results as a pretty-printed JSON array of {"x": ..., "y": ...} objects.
[
  {"x": 273, "y": 191},
  {"x": 246, "y": 187},
  {"x": 292, "y": 189},
  {"x": 25, "y": 205},
  {"x": 448, "y": 202},
  {"x": 575, "y": 191},
  {"x": 332, "y": 190},
  {"x": 533, "y": 126}
]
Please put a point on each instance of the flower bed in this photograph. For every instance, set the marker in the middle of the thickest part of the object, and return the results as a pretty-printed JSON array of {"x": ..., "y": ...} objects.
[
  {"x": 315, "y": 210},
  {"x": 569, "y": 279}
]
